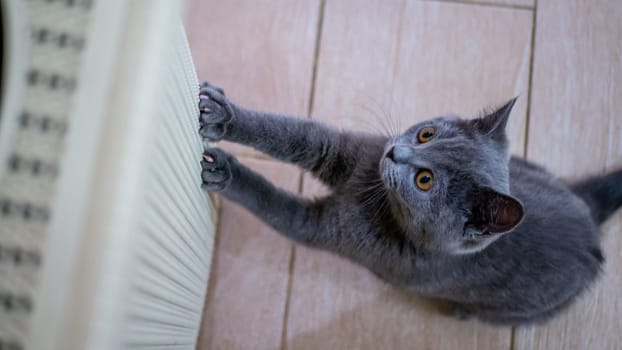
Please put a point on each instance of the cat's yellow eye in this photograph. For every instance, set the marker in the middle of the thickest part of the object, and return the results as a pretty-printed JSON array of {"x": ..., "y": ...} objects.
[
  {"x": 424, "y": 180},
  {"x": 426, "y": 134}
]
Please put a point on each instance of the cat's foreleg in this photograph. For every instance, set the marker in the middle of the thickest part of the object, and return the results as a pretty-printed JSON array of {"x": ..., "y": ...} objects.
[
  {"x": 295, "y": 217},
  {"x": 329, "y": 154},
  {"x": 316, "y": 223}
]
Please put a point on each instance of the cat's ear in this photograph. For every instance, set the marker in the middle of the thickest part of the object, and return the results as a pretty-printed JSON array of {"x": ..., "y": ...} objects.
[
  {"x": 493, "y": 212},
  {"x": 494, "y": 123}
]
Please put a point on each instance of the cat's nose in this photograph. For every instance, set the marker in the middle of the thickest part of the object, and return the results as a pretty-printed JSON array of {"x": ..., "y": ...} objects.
[
  {"x": 390, "y": 154},
  {"x": 399, "y": 154}
]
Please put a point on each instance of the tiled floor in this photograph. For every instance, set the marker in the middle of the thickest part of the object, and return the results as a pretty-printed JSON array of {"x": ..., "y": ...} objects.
[{"x": 360, "y": 64}]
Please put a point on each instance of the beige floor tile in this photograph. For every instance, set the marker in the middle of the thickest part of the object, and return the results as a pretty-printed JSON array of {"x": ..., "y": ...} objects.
[
  {"x": 575, "y": 129},
  {"x": 577, "y": 85},
  {"x": 409, "y": 61},
  {"x": 248, "y": 283},
  {"x": 260, "y": 51}
]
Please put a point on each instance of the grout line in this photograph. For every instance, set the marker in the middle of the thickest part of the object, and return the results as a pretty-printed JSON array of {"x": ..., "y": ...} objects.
[
  {"x": 290, "y": 276},
  {"x": 292, "y": 257},
  {"x": 486, "y": 4},
  {"x": 528, "y": 114},
  {"x": 316, "y": 56},
  {"x": 530, "y": 82}
]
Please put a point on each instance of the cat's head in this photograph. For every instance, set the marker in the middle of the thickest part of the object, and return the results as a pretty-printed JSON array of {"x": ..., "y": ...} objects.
[{"x": 448, "y": 181}]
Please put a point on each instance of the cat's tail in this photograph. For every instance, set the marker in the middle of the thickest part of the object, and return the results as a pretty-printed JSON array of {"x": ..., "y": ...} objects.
[{"x": 603, "y": 194}]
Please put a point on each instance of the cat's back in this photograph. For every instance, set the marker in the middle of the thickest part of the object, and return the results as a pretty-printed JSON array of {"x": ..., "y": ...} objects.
[
  {"x": 556, "y": 220},
  {"x": 556, "y": 248},
  {"x": 549, "y": 203}
]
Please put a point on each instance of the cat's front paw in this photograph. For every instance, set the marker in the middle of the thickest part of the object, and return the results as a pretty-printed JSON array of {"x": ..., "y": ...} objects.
[
  {"x": 216, "y": 169},
  {"x": 215, "y": 111}
]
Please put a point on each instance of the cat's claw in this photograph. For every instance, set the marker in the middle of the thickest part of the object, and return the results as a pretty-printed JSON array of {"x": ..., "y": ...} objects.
[
  {"x": 215, "y": 169},
  {"x": 215, "y": 112}
]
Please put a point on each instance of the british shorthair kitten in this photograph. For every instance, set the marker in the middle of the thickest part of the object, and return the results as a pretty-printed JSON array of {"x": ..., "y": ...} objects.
[{"x": 441, "y": 210}]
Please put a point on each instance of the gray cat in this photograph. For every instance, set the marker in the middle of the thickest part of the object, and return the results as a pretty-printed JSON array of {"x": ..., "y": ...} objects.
[{"x": 441, "y": 210}]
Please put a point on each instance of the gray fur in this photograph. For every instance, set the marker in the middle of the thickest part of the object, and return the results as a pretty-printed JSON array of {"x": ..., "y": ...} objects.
[{"x": 495, "y": 237}]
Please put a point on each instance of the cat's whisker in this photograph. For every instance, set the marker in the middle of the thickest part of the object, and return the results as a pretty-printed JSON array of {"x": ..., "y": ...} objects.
[
  {"x": 381, "y": 210},
  {"x": 369, "y": 191},
  {"x": 367, "y": 186},
  {"x": 380, "y": 115},
  {"x": 392, "y": 128},
  {"x": 383, "y": 120},
  {"x": 374, "y": 196},
  {"x": 389, "y": 116},
  {"x": 397, "y": 114},
  {"x": 395, "y": 124},
  {"x": 371, "y": 196},
  {"x": 374, "y": 204},
  {"x": 385, "y": 128},
  {"x": 389, "y": 120},
  {"x": 376, "y": 180}
]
